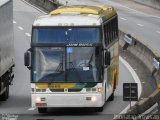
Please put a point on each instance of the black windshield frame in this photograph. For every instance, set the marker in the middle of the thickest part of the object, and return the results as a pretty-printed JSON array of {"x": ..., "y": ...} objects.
[{"x": 64, "y": 43}]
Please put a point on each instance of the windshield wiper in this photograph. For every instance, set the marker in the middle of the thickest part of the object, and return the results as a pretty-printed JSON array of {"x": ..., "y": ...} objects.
[
  {"x": 60, "y": 67},
  {"x": 89, "y": 62}
]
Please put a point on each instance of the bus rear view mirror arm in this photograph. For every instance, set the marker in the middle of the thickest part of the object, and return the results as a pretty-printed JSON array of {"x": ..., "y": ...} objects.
[
  {"x": 107, "y": 58},
  {"x": 27, "y": 59}
]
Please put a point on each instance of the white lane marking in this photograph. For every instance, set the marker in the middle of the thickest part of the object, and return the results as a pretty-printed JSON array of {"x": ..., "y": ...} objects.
[
  {"x": 32, "y": 108},
  {"x": 138, "y": 11},
  {"x": 14, "y": 22},
  {"x": 123, "y": 18},
  {"x": 128, "y": 8},
  {"x": 21, "y": 28},
  {"x": 28, "y": 34},
  {"x": 140, "y": 25},
  {"x": 158, "y": 32},
  {"x": 34, "y": 7},
  {"x": 137, "y": 80}
]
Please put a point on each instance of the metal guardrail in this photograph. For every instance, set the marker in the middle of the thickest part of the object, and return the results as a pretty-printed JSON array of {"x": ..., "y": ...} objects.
[
  {"x": 156, "y": 63},
  {"x": 143, "y": 109},
  {"x": 144, "y": 53},
  {"x": 148, "y": 107},
  {"x": 148, "y": 113}
]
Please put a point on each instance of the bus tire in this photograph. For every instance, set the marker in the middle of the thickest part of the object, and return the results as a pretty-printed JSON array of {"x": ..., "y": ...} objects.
[
  {"x": 5, "y": 95},
  {"x": 111, "y": 98},
  {"x": 42, "y": 110},
  {"x": 99, "y": 109}
]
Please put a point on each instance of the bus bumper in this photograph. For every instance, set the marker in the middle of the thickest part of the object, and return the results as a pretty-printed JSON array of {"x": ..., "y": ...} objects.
[{"x": 67, "y": 100}]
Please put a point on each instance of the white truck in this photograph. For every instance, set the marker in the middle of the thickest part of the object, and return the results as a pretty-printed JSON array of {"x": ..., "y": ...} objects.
[{"x": 6, "y": 48}]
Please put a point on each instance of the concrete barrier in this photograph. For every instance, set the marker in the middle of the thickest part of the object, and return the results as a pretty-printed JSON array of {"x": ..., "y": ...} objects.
[
  {"x": 150, "y": 3},
  {"x": 155, "y": 97},
  {"x": 48, "y": 5},
  {"x": 146, "y": 106},
  {"x": 133, "y": 111},
  {"x": 144, "y": 53}
]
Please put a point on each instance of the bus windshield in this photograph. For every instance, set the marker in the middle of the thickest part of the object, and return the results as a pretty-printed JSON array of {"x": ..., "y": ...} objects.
[
  {"x": 66, "y": 35},
  {"x": 66, "y": 64}
]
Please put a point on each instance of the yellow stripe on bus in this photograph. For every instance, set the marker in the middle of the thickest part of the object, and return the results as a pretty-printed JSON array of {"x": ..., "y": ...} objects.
[
  {"x": 42, "y": 85},
  {"x": 55, "y": 85}
]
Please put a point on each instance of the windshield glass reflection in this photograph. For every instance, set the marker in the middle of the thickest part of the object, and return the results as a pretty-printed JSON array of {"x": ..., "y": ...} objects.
[{"x": 70, "y": 64}]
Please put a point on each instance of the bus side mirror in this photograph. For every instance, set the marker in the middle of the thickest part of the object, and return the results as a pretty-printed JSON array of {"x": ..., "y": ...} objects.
[
  {"x": 107, "y": 58},
  {"x": 27, "y": 59}
]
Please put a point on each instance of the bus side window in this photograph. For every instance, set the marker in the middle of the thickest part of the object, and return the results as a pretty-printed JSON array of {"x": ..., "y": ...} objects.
[
  {"x": 106, "y": 34},
  {"x": 113, "y": 23},
  {"x": 110, "y": 32},
  {"x": 116, "y": 27}
]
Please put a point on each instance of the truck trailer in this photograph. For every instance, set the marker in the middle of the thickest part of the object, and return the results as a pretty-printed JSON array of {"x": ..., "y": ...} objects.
[{"x": 6, "y": 48}]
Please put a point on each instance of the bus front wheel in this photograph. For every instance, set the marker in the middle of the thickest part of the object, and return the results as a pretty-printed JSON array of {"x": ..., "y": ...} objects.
[
  {"x": 42, "y": 110},
  {"x": 111, "y": 98},
  {"x": 5, "y": 95},
  {"x": 99, "y": 109}
]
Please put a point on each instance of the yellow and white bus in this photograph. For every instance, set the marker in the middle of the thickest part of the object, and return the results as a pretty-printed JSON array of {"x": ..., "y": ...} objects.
[{"x": 74, "y": 58}]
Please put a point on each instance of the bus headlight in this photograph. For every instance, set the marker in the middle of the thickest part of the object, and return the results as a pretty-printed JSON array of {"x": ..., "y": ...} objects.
[
  {"x": 93, "y": 99},
  {"x": 94, "y": 89},
  {"x": 38, "y": 99}
]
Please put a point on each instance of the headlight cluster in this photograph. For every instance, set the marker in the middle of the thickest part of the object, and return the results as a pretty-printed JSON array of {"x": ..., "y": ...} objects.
[
  {"x": 94, "y": 89},
  {"x": 38, "y": 90}
]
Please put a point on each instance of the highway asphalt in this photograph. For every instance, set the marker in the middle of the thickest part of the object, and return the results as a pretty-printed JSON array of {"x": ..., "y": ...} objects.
[{"x": 19, "y": 101}]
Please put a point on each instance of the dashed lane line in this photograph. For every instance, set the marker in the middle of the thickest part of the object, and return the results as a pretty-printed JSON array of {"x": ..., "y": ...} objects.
[
  {"x": 136, "y": 11},
  {"x": 158, "y": 32},
  {"x": 140, "y": 25},
  {"x": 123, "y": 18},
  {"x": 21, "y": 28},
  {"x": 28, "y": 34},
  {"x": 14, "y": 22},
  {"x": 32, "y": 108}
]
